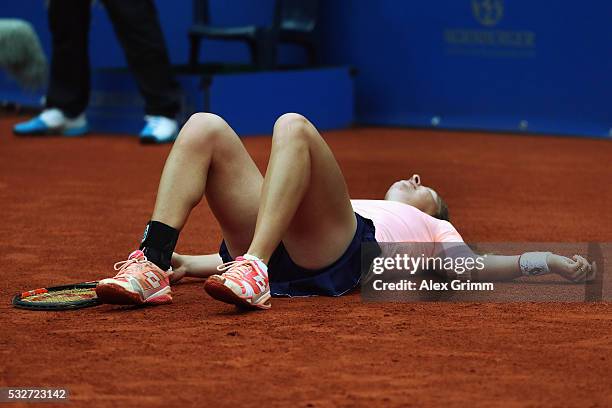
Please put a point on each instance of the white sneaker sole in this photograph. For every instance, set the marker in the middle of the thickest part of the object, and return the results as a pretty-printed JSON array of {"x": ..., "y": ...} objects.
[
  {"x": 118, "y": 295},
  {"x": 216, "y": 288}
]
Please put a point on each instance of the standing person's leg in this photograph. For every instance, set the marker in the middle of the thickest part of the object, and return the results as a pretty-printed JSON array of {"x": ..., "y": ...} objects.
[
  {"x": 208, "y": 159},
  {"x": 68, "y": 91},
  {"x": 304, "y": 203},
  {"x": 137, "y": 26},
  {"x": 69, "y": 76}
]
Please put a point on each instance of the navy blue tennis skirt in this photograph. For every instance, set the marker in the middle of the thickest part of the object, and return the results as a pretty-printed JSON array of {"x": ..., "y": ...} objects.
[{"x": 289, "y": 279}]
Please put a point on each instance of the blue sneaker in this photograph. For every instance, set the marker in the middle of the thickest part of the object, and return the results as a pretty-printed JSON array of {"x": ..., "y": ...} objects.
[
  {"x": 52, "y": 122},
  {"x": 159, "y": 129}
]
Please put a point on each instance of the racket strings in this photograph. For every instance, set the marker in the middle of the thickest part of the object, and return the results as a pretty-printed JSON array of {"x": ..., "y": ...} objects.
[{"x": 68, "y": 295}]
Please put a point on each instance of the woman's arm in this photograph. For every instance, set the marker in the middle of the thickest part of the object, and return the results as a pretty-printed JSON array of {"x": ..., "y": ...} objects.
[
  {"x": 194, "y": 266},
  {"x": 498, "y": 267}
]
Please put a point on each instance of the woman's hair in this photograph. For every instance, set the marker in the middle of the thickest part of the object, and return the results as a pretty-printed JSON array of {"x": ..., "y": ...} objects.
[{"x": 442, "y": 213}]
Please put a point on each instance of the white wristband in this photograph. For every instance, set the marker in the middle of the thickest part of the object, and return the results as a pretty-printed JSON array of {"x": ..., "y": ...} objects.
[{"x": 534, "y": 263}]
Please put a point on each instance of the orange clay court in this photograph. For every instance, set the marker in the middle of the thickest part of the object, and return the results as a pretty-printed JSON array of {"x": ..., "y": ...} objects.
[{"x": 61, "y": 198}]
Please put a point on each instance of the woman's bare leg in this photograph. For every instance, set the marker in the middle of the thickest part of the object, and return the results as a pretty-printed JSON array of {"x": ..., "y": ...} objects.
[
  {"x": 209, "y": 159},
  {"x": 304, "y": 202}
]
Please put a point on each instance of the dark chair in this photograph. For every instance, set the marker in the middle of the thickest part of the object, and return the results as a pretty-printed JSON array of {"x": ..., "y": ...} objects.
[{"x": 294, "y": 22}]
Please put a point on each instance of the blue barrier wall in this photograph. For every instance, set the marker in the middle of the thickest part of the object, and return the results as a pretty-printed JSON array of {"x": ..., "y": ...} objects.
[
  {"x": 489, "y": 64},
  {"x": 492, "y": 64},
  {"x": 250, "y": 101}
]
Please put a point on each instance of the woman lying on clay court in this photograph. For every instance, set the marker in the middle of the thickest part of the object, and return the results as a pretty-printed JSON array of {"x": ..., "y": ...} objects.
[{"x": 294, "y": 232}]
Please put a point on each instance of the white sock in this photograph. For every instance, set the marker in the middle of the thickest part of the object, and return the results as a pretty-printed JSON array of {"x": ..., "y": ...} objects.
[{"x": 258, "y": 261}]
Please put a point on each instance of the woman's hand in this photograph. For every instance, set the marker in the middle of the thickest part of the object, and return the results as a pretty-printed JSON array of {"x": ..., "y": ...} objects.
[
  {"x": 194, "y": 266},
  {"x": 179, "y": 268},
  {"x": 577, "y": 269}
]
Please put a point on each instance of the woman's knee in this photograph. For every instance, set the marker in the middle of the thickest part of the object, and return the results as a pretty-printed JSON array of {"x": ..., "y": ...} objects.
[
  {"x": 201, "y": 130},
  {"x": 292, "y": 127}
]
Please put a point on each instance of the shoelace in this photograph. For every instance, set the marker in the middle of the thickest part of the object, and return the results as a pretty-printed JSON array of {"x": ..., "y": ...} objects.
[
  {"x": 236, "y": 269},
  {"x": 123, "y": 265}
]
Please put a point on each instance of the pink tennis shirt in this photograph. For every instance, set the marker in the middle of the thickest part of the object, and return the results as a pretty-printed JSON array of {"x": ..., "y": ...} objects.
[{"x": 399, "y": 222}]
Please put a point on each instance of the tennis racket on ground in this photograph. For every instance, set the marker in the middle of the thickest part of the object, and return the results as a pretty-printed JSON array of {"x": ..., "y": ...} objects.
[{"x": 65, "y": 297}]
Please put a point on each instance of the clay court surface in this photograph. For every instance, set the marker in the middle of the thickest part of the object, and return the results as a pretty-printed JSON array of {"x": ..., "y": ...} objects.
[{"x": 73, "y": 207}]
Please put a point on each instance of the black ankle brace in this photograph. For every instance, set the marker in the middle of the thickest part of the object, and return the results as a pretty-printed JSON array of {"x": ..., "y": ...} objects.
[{"x": 158, "y": 243}]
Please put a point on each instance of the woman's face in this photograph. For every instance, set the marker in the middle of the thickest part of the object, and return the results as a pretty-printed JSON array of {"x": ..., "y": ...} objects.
[{"x": 411, "y": 192}]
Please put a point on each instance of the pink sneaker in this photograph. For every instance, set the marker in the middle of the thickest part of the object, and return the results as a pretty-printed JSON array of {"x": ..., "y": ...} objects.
[
  {"x": 138, "y": 282},
  {"x": 243, "y": 284}
]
